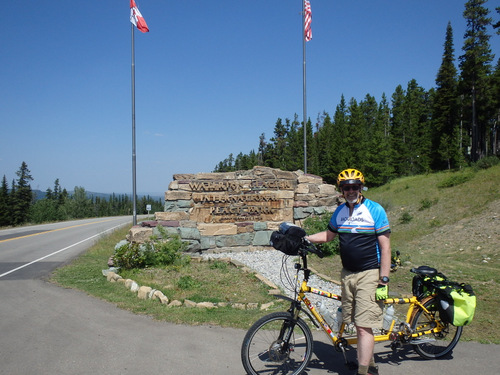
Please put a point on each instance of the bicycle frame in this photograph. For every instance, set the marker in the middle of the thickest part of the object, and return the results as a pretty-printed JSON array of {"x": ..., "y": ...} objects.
[
  {"x": 282, "y": 342},
  {"x": 403, "y": 333}
]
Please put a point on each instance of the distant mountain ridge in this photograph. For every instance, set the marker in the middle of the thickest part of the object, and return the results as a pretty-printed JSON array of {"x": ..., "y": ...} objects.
[{"x": 41, "y": 195}]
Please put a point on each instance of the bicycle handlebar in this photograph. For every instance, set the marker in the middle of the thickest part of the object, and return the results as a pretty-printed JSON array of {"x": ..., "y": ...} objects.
[{"x": 310, "y": 247}]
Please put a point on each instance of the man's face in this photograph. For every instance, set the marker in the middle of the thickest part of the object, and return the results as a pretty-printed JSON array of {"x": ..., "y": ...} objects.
[{"x": 351, "y": 192}]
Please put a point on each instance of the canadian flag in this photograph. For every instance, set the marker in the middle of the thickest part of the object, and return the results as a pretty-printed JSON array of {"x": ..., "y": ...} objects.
[{"x": 136, "y": 18}]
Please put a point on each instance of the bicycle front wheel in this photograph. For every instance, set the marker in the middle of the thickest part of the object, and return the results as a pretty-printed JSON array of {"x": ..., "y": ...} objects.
[
  {"x": 276, "y": 344},
  {"x": 437, "y": 344}
]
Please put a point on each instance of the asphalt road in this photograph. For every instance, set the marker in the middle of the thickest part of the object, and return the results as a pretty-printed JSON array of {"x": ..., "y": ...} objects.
[{"x": 45, "y": 329}]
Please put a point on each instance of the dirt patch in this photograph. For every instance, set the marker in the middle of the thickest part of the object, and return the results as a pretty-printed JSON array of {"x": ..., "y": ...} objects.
[{"x": 479, "y": 233}]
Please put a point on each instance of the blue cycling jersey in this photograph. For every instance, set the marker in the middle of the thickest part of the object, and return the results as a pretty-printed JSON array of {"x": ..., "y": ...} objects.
[{"x": 358, "y": 234}]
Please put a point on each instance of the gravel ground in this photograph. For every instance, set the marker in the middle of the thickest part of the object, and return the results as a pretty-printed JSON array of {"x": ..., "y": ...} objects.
[{"x": 279, "y": 268}]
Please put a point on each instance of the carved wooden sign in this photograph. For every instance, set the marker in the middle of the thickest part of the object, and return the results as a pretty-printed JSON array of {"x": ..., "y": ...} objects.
[{"x": 236, "y": 197}]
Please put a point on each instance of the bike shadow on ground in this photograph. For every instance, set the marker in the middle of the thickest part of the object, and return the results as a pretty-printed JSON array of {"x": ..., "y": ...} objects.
[
  {"x": 384, "y": 354},
  {"x": 332, "y": 362}
]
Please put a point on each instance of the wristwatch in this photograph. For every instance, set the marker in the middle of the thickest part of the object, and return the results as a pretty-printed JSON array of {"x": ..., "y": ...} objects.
[{"x": 384, "y": 279}]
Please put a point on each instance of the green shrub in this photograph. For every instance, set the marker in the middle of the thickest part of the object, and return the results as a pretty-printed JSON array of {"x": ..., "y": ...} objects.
[
  {"x": 427, "y": 203},
  {"x": 318, "y": 224},
  {"x": 129, "y": 256},
  {"x": 456, "y": 179},
  {"x": 405, "y": 218},
  {"x": 487, "y": 162},
  {"x": 163, "y": 250},
  {"x": 168, "y": 252}
]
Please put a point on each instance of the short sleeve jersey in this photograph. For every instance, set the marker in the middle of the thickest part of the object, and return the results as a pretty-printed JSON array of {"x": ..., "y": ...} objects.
[{"x": 358, "y": 234}]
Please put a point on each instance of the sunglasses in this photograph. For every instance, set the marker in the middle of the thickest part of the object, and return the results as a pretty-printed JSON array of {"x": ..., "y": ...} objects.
[{"x": 351, "y": 187}]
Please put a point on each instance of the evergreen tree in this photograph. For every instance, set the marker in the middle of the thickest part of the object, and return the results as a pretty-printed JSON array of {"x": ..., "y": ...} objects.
[
  {"x": 365, "y": 152},
  {"x": 22, "y": 195},
  {"x": 400, "y": 142},
  {"x": 411, "y": 138},
  {"x": 378, "y": 167},
  {"x": 262, "y": 149},
  {"x": 295, "y": 142},
  {"x": 446, "y": 137},
  {"x": 326, "y": 149},
  {"x": 278, "y": 145},
  {"x": 311, "y": 149},
  {"x": 355, "y": 135},
  {"x": 315, "y": 147},
  {"x": 340, "y": 141},
  {"x": 419, "y": 104},
  {"x": 239, "y": 162},
  {"x": 298, "y": 144},
  {"x": 5, "y": 205},
  {"x": 475, "y": 69},
  {"x": 59, "y": 195},
  {"x": 497, "y": 24}
]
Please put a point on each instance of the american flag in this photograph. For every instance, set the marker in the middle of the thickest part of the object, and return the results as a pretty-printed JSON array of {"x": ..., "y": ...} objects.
[{"x": 307, "y": 20}]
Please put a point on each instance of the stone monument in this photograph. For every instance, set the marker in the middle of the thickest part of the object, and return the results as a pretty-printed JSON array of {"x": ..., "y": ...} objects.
[{"x": 236, "y": 211}]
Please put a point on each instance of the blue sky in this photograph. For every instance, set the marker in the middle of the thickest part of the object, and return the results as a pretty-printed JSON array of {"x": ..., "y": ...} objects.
[{"x": 211, "y": 76}]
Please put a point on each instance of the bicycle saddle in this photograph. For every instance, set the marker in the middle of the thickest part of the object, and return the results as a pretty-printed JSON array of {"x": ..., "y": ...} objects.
[{"x": 425, "y": 271}]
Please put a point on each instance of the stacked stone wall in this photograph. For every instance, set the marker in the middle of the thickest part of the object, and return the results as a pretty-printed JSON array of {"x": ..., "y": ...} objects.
[{"x": 237, "y": 210}]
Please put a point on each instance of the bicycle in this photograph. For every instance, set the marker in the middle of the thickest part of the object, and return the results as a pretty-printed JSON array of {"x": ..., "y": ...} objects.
[{"x": 282, "y": 342}]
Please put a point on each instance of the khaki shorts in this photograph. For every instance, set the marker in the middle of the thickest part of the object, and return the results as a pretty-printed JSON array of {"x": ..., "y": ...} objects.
[{"x": 359, "y": 305}]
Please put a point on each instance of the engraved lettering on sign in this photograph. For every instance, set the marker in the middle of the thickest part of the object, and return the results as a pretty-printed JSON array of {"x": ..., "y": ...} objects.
[
  {"x": 237, "y": 186},
  {"x": 215, "y": 186},
  {"x": 245, "y": 200},
  {"x": 275, "y": 184},
  {"x": 231, "y": 198}
]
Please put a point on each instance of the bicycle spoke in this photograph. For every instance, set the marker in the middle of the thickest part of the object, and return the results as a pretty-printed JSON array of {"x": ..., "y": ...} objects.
[
  {"x": 264, "y": 350},
  {"x": 438, "y": 343}
]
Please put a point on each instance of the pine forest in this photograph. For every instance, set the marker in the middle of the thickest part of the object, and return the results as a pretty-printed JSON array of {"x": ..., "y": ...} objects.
[{"x": 414, "y": 131}]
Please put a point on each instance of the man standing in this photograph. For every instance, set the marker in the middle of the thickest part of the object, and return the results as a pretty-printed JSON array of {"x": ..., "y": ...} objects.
[{"x": 365, "y": 251}]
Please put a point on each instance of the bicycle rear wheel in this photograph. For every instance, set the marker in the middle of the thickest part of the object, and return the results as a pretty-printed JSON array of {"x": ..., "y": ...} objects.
[
  {"x": 275, "y": 344},
  {"x": 438, "y": 344}
]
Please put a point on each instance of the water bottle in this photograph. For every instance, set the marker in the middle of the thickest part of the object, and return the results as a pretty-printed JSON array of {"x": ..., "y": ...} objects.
[
  {"x": 388, "y": 317},
  {"x": 339, "y": 319},
  {"x": 326, "y": 314}
]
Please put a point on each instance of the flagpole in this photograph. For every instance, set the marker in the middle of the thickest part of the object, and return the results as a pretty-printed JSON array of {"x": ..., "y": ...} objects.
[
  {"x": 304, "y": 106},
  {"x": 134, "y": 192}
]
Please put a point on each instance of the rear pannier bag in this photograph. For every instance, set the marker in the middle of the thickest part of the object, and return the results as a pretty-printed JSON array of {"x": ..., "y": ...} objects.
[
  {"x": 457, "y": 303},
  {"x": 288, "y": 238}
]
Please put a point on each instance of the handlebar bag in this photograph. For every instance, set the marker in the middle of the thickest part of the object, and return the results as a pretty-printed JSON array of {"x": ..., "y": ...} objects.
[{"x": 288, "y": 239}]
